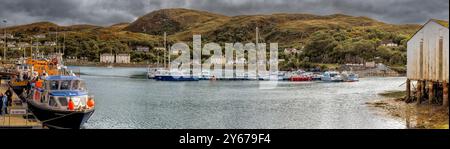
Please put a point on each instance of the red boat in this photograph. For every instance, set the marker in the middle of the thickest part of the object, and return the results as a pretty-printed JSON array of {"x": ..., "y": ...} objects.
[{"x": 300, "y": 78}]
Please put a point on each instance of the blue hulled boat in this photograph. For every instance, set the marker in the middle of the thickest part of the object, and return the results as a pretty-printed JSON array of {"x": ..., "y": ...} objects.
[
  {"x": 61, "y": 102},
  {"x": 165, "y": 75}
]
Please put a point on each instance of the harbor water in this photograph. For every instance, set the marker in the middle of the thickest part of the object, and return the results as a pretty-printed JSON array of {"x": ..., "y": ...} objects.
[{"x": 127, "y": 100}]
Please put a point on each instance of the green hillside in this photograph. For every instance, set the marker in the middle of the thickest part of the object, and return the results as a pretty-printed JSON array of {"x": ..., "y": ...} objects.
[{"x": 332, "y": 39}]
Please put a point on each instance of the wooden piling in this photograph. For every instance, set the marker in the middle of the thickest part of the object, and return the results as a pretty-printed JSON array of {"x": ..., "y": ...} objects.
[
  {"x": 419, "y": 91},
  {"x": 430, "y": 92},
  {"x": 408, "y": 90},
  {"x": 445, "y": 94}
]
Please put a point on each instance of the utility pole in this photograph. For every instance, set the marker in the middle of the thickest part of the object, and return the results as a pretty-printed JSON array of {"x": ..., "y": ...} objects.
[
  {"x": 64, "y": 43},
  {"x": 4, "y": 35}
]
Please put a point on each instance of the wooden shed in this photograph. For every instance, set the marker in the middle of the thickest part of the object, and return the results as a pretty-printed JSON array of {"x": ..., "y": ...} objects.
[{"x": 428, "y": 59}]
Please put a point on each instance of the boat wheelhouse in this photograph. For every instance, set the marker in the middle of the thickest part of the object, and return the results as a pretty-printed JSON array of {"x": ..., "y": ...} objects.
[{"x": 61, "y": 102}]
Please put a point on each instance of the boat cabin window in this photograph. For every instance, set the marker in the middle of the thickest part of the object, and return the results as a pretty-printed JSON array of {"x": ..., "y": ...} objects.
[
  {"x": 65, "y": 85},
  {"x": 43, "y": 99},
  {"x": 63, "y": 101},
  {"x": 53, "y": 102},
  {"x": 78, "y": 85},
  {"x": 54, "y": 85}
]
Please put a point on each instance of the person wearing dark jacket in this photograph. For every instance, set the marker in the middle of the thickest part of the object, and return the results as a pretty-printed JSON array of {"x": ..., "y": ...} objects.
[
  {"x": 8, "y": 94},
  {"x": 1, "y": 104}
]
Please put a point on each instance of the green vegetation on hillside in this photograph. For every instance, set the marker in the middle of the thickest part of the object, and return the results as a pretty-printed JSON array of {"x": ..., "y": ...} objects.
[{"x": 333, "y": 39}]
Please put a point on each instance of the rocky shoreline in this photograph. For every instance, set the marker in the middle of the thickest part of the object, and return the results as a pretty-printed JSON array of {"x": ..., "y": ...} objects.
[{"x": 422, "y": 116}]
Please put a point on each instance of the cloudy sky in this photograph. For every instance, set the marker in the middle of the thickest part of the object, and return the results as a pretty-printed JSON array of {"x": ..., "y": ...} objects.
[{"x": 107, "y": 12}]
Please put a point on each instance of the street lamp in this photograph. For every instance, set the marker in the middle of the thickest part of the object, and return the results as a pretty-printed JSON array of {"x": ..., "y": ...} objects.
[{"x": 4, "y": 49}]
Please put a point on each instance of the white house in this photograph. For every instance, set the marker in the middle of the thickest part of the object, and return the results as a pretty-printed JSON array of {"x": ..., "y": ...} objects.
[
  {"x": 39, "y": 36},
  {"x": 390, "y": 44},
  {"x": 123, "y": 58},
  {"x": 50, "y": 43},
  {"x": 107, "y": 58},
  {"x": 288, "y": 51},
  {"x": 142, "y": 49},
  {"x": 23, "y": 44}
]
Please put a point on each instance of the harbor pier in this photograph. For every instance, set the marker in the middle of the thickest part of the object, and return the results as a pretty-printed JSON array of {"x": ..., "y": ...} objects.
[{"x": 18, "y": 116}]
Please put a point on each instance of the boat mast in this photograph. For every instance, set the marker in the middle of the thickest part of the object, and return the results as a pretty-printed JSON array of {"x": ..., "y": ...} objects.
[
  {"x": 56, "y": 40},
  {"x": 64, "y": 43},
  {"x": 165, "y": 48},
  {"x": 31, "y": 47},
  {"x": 168, "y": 54}
]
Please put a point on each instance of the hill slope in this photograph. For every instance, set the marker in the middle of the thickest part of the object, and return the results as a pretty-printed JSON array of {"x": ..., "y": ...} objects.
[
  {"x": 181, "y": 24},
  {"x": 177, "y": 21},
  {"x": 334, "y": 38}
]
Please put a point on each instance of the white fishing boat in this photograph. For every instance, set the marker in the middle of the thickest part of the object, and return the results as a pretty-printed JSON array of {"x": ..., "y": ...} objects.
[
  {"x": 350, "y": 77},
  {"x": 332, "y": 76}
]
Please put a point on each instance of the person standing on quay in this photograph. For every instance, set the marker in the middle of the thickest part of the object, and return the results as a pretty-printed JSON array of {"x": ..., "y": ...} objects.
[
  {"x": 4, "y": 103},
  {"x": 8, "y": 94},
  {"x": 1, "y": 104}
]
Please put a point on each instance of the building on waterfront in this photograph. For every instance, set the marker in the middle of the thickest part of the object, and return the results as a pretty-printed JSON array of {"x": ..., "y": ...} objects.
[
  {"x": 123, "y": 58},
  {"x": 71, "y": 59},
  {"x": 37, "y": 44},
  {"x": 107, "y": 58},
  {"x": 371, "y": 64},
  {"x": 11, "y": 45},
  {"x": 50, "y": 43},
  {"x": 118, "y": 58},
  {"x": 142, "y": 49},
  {"x": 39, "y": 36},
  {"x": 390, "y": 44},
  {"x": 288, "y": 51},
  {"x": 9, "y": 36},
  {"x": 23, "y": 44},
  {"x": 427, "y": 62}
]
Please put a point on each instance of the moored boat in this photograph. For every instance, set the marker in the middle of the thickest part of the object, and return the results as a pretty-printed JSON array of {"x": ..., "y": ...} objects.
[
  {"x": 332, "y": 76},
  {"x": 299, "y": 78},
  {"x": 61, "y": 102},
  {"x": 350, "y": 77},
  {"x": 165, "y": 75},
  {"x": 152, "y": 72}
]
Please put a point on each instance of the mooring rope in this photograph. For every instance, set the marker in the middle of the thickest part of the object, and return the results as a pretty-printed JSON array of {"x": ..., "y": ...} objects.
[{"x": 52, "y": 119}]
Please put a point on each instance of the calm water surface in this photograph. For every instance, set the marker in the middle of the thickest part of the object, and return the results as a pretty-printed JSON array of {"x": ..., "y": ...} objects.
[{"x": 124, "y": 101}]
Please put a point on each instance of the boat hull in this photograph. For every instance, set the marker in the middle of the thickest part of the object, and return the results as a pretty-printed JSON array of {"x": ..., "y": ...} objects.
[
  {"x": 60, "y": 119},
  {"x": 176, "y": 78},
  {"x": 300, "y": 79}
]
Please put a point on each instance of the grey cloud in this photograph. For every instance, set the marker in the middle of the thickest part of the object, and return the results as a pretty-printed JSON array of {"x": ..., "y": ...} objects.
[{"x": 107, "y": 12}]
